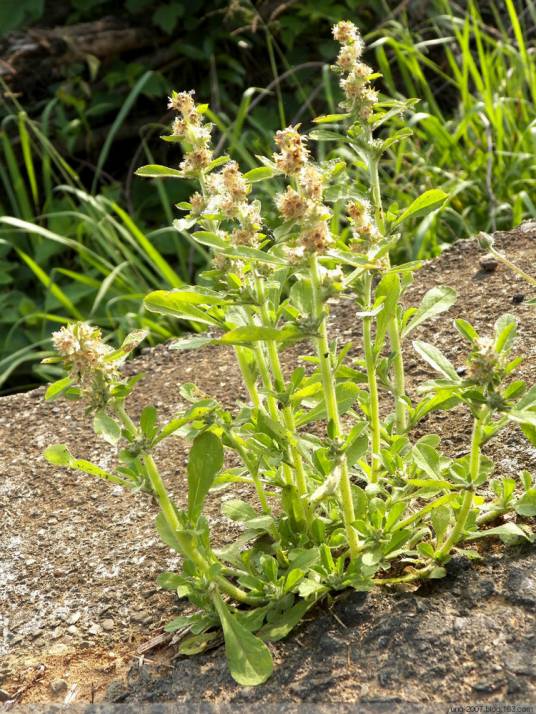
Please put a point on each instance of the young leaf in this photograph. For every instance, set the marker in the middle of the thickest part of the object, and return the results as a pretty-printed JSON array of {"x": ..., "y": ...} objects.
[
  {"x": 248, "y": 658},
  {"x": 467, "y": 330},
  {"x": 205, "y": 460},
  {"x": 56, "y": 388},
  {"x": 426, "y": 202},
  {"x": 436, "y": 359},
  {"x": 505, "y": 332},
  {"x": 261, "y": 173},
  {"x": 148, "y": 422},
  {"x": 435, "y": 301},
  {"x": 389, "y": 289}
]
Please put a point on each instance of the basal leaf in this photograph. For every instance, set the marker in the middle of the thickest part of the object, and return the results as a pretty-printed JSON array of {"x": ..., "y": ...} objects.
[{"x": 248, "y": 658}]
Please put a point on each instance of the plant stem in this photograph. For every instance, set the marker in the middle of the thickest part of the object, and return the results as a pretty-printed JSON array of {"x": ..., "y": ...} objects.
[
  {"x": 374, "y": 404},
  {"x": 287, "y": 412},
  {"x": 474, "y": 467},
  {"x": 249, "y": 379},
  {"x": 399, "y": 381},
  {"x": 252, "y": 468},
  {"x": 332, "y": 408},
  {"x": 187, "y": 546}
]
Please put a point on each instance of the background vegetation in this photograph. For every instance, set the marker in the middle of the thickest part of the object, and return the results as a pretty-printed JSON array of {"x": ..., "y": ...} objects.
[{"x": 82, "y": 237}]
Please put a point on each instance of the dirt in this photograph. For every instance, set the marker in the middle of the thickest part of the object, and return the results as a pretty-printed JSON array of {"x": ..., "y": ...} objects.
[{"x": 78, "y": 558}]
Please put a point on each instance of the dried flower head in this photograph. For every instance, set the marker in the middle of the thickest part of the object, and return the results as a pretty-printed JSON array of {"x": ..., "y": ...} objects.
[
  {"x": 293, "y": 152},
  {"x": 316, "y": 239},
  {"x": 291, "y": 205},
  {"x": 195, "y": 161},
  {"x": 363, "y": 225}
]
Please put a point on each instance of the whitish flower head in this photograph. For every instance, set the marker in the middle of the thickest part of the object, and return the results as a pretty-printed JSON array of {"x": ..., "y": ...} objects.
[
  {"x": 82, "y": 347},
  {"x": 312, "y": 182},
  {"x": 293, "y": 152},
  {"x": 346, "y": 32}
]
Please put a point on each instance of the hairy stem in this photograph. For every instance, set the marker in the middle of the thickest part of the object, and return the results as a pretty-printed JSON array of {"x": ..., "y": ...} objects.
[
  {"x": 332, "y": 408},
  {"x": 474, "y": 467},
  {"x": 287, "y": 412},
  {"x": 399, "y": 381},
  {"x": 187, "y": 546},
  {"x": 374, "y": 404}
]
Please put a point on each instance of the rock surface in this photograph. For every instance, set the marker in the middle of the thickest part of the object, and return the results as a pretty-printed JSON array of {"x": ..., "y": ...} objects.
[{"x": 78, "y": 559}]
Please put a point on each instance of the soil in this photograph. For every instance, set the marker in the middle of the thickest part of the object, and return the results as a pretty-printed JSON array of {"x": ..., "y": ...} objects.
[{"x": 81, "y": 616}]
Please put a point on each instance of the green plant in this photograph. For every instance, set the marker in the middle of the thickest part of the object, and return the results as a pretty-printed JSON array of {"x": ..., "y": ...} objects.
[
  {"x": 343, "y": 498},
  {"x": 487, "y": 242}
]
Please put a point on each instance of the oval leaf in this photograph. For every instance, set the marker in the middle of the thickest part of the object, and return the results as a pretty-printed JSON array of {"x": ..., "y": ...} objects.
[
  {"x": 248, "y": 658},
  {"x": 426, "y": 202},
  {"x": 205, "y": 460}
]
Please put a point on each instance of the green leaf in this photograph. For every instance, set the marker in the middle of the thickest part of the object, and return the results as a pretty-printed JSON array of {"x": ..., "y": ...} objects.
[
  {"x": 157, "y": 171},
  {"x": 106, "y": 427},
  {"x": 166, "y": 533},
  {"x": 248, "y": 658},
  {"x": 434, "y": 302},
  {"x": 58, "y": 454},
  {"x": 213, "y": 240},
  {"x": 192, "y": 343},
  {"x": 238, "y": 510},
  {"x": 346, "y": 396},
  {"x": 440, "y": 518},
  {"x": 170, "y": 581},
  {"x": 389, "y": 289},
  {"x": 148, "y": 421},
  {"x": 426, "y": 202},
  {"x": 526, "y": 506},
  {"x": 330, "y": 118},
  {"x": 467, "y": 330},
  {"x": 204, "y": 462},
  {"x": 436, "y": 359},
  {"x": 166, "y": 16},
  {"x": 252, "y": 333},
  {"x": 167, "y": 302},
  {"x": 56, "y": 388},
  {"x": 280, "y": 626},
  {"x": 506, "y": 530},
  {"x": 129, "y": 344},
  {"x": 261, "y": 173},
  {"x": 505, "y": 332}
]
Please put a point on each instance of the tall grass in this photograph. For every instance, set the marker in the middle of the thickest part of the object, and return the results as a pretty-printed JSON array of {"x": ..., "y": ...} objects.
[
  {"x": 475, "y": 128},
  {"x": 66, "y": 252}
]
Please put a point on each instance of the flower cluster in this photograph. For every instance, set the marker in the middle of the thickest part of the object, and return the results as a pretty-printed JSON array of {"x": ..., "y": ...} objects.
[
  {"x": 82, "y": 348},
  {"x": 293, "y": 153},
  {"x": 85, "y": 355},
  {"x": 194, "y": 135},
  {"x": 360, "y": 97},
  {"x": 485, "y": 364},
  {"x": 302, "y": 204},
  {"x": 364, "y": 228}
]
